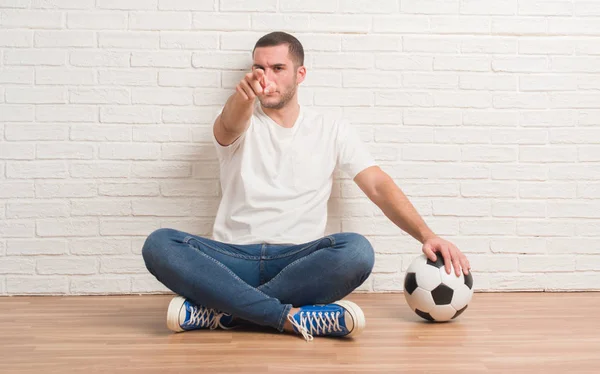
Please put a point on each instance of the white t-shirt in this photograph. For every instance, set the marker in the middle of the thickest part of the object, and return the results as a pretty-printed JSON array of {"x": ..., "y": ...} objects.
[{"x": 276, "y": 181}]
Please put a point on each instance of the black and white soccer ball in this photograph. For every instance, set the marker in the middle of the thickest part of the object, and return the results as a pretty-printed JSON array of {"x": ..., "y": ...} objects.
[{"x": 434, "y": 294}]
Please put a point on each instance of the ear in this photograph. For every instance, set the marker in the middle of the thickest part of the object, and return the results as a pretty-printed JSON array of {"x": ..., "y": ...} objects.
[{"x": 300, "y": 74}]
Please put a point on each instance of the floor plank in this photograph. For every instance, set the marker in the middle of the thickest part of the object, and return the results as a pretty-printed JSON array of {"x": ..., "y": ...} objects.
[{"x": 499, "y": 332}]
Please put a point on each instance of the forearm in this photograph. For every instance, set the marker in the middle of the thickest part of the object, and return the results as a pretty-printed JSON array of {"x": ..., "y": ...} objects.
[
  {"x": 237, "y": 113},
  {"x": 396, "y": 206}
]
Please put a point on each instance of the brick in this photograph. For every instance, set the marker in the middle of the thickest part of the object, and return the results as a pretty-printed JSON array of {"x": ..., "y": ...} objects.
[
  {"x": 17, "y": 113},
  {"x": 34, "y": 19},
  {"x": 573, "y": 209},
  {"x": 99, "y": 96},
  {"x": 547, "y": 83},
  {"x": 189, "y": 40},
  {"x": 462, "y": 207},
  {"x": 9, "y": 190},
  {"x": 190, "y": 188},
  {"x": 573, "y": 26},
  {"x": 130, "y": 114},
  {"x": 366, "y": 6},
  {"x": 248, "y": 5},
  {"x": 460, "y": 25},
  {"x": 16, "y": 75},
  {"x": 66, "y": 266},
  {"x": 519, "y": 172},
  {"x": 100, "y": 207},
  {"x": 36, "y": 169},
  {"x": 99, "y": 169},
  {"x": 552, "y": 190},
  {"x": 162, "y": 96},
  {"x": 211, "y": 96},
  {"x": 16, "y": 38},
  {"x": 518, "y": 209},
  {"x": 408, "y": 136},
  {"x": 185, "y": 5},
  {"x": 521, "y": 100},
  {"x": 161, "y": 134},
  {"x": 55, "y": 39},
  {"x": 17, "y": 266},
  {"x": 97, "y": 20},
  {"x": 462, "y": 99},
  {"x": 128, "y": 4},
  {"x": 17, "y": 228},
  {"x": 99, "y": 58},
  {"x": 116, "y": 77},
  {"x": 403, "y": 98},
  {"x": 50, "y": 95},
  {"x": 222, "y": 60},
  {"x": 100, "y": 133},
  {"x": 507, "y": 7},
  {"x": 160, "y": 20},
  {"x": 148, "y": 284},
  {"x": 519, "y": 25},
  {"x": 483, "y": 44},
  {"x": 34, "y": 57},
  {"x": 431, "y": 153},
  {"x": 99, "y": 246},
  {"x": 66, "y": 227},
  {"x": 173, "y": 78},
  {"x": 311, "y": 6},
  {"x": 123, "y": 265},
  {"x": 65, "y": 189},
  {"x": 493, "y": 189},
  {"x": 430, "y": 80},
  {"x": 453, "y": 135},
  {"x": 400, "y": 24},
  {"x": 543, "y": 227},
  {"x": 37, "y": 209},
  {"x": 401, "y": 62},
  {"x": 434, "y": 43},
  {"x": 290, "y": 22},
  {"x": 161, "y": 59},
  {"x": 153, "y": 169},
  {"x": 129, "y": 39},
  {"x": 87, "y": 285},
  {"x": 487, "y": 226},
  {"x": 36, "y": 132},
  {"x": 342, "y": 97},
  {"x": 546, "y": 46},
  {"x": 547, "y": 118},
  {"x": 37, "y": 285},
  {"x": 62, "y": 4},
  {"x": 461, "y": 63},
  {"x": 430, "y": 6},
  {"x": 129, "y": 151},
  {"x": 574, "y": 100},
  {"x": 541, "y": 154},
  {"x": 545, "y": 8},
  {"x": 129, "y": 189},
  {"x": 488, "y": 82},
  {"x": 221, "y": 21},
  {"x": 15, "y": 3},
  {"x": 34, "y": 247},
  {"x": 59, "y": 76},
  {"x": 127, "y": 226},
  {"x": 582, "y": 136},
  {"x": 188, "y": 152},
  {"x": 543, "y": 263}
]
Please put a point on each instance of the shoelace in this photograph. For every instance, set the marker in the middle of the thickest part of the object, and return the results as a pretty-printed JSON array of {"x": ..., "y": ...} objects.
[
  {"x": 316, "y": 323},
  {"x": 202, "y": 316}
]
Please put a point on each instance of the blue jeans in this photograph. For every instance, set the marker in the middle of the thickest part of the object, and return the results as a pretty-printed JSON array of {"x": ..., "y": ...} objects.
[{"x": 258, "y": 283}]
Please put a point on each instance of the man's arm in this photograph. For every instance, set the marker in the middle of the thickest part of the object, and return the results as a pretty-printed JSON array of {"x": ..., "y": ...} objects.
[{"x": 383, "y": 191}]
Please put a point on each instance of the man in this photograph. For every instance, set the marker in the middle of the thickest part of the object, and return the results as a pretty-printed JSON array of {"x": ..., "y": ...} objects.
[{"x": 269, "y": 262}]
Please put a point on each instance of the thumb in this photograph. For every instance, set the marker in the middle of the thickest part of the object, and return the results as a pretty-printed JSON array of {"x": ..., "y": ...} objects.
[{"x": 428, "y": 250}]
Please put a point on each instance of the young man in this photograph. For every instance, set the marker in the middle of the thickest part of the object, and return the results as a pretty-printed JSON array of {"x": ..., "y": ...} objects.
[{"x": 269, "y": 262}]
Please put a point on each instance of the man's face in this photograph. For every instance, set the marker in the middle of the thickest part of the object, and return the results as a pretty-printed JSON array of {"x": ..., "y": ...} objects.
[{"x": 279, "y": 69}]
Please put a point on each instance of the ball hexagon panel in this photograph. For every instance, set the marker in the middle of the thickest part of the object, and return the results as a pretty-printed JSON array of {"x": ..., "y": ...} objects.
[
  {"x": 442, "y": 312},
  {"x": 420, "y": 299},
  {"x": 428, "y": 277}
]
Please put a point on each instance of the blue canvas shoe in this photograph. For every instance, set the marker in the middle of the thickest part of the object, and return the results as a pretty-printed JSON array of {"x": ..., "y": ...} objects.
[
  {"x": 183, "y": 315},
  {"x": 342, "y": 318}
]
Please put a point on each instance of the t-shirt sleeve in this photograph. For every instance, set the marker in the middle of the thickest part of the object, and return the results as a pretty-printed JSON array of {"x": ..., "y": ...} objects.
[
  {"x": 353, "y": 156},
  {"x": 225, "y": 152}
]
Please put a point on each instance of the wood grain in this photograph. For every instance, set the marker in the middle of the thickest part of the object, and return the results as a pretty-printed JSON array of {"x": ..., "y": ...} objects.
[{"x": 499, "y": 332}]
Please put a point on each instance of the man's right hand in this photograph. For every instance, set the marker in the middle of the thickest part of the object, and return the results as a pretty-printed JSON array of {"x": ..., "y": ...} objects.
[{"x": 255, "y": 84}]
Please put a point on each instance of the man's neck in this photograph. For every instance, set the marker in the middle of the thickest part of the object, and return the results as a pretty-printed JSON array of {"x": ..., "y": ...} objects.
[{"x": 286, "y": 116}]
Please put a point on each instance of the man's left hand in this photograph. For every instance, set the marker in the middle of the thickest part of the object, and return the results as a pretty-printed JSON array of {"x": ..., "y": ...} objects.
[{"x": 451, "y": 254}]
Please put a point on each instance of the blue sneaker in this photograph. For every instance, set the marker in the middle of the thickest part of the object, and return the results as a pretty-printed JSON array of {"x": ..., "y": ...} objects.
[
  {"x": 342, "y": 318},
  {"x": 183, "y": 315}
]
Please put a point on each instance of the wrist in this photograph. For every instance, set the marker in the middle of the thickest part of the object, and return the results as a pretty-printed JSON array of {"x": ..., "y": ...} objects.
[{"x": 425, "y": 236}]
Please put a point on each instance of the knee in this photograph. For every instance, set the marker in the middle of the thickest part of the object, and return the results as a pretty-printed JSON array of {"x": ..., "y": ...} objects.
[
  {"x": 155, "y": 243},
  {"x": 361, "y": 252}
]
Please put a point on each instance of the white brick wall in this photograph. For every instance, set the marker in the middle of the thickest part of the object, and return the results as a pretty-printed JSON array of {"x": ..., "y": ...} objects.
[{"x": 486, "y": 113}]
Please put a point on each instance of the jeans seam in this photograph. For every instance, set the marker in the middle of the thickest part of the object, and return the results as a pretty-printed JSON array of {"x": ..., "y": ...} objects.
[
  {"x": 187, "y": 240},
  {"x": 235, "y": 276},
  {"x": 276, "y": 257},
  {"x": 286, "y": 311}
]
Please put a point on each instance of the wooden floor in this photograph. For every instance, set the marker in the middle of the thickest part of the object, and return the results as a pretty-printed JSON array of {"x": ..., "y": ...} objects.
[{"x": 499, "y": 332}]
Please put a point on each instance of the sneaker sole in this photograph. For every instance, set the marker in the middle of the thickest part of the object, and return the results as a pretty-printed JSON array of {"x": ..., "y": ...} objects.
[
  {"x": 173, "y": 314},
  {"x": 358, "y": 317}
]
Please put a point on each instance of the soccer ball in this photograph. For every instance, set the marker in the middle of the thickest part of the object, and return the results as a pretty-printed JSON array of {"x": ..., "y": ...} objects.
[{"x": 434, "y": 294}]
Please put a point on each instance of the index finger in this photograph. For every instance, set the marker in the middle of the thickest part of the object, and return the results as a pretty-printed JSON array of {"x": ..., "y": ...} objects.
[
  {"x": 259, "y": 75},
  {"x": 447, "y": 258}
]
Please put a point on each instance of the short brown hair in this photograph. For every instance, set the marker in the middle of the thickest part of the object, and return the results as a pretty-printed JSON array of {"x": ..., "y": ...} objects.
[{"x": 276, "y": 38}]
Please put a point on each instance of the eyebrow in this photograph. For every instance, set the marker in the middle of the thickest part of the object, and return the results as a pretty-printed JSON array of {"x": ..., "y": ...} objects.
[{"x": 273, "y": 66}]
